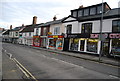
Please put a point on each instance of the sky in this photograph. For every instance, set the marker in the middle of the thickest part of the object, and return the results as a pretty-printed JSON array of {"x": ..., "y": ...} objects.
[{"x": 18, "y": 12}]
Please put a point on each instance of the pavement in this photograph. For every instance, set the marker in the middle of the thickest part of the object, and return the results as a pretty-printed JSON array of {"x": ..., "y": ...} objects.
[{"x": 92, "y": 57}]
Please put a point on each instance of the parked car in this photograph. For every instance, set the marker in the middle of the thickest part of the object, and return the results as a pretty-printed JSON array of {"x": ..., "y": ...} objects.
[{"x": 115, "y": 52}]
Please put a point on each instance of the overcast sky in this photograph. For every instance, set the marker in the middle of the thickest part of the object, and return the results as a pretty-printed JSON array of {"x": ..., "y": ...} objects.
[{"x": 18, "y": 12}]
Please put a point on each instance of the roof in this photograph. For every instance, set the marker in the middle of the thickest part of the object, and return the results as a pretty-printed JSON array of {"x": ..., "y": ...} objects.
[
  {"x": 6, "y": 32},
  {"x": 17, "y": 28},
  {"x": 113, "y": 13},
  {"x": 51, "y": 22},
  {"x": 29, "y": 28}
]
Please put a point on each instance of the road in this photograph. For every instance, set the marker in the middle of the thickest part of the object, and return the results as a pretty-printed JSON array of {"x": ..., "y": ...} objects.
[{"x": 48, "y": 65}]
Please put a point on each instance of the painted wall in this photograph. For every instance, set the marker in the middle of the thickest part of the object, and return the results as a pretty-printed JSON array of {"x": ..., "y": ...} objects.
[{"x": 62, "y": 28}]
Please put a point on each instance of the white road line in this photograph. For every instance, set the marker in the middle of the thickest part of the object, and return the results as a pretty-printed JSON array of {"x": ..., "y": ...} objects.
[
  {"x": 114, "y": 76},
  {"x": 63, "y": 61}
]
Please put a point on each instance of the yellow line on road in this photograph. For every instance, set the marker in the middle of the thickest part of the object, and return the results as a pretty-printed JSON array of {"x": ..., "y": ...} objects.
[{"x": 25, "y": 69}]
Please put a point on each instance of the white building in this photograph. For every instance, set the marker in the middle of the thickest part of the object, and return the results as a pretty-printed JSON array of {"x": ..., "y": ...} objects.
[{"x": 83, "y": 29}]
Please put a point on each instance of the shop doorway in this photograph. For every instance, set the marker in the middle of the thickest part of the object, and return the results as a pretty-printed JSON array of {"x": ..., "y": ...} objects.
[
  {"x": 66, "y": 44},
  {"x": 106, "y": 48}
]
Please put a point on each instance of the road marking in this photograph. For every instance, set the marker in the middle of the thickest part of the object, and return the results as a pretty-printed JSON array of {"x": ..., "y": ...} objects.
[
  {"x": 63, "y": 61},
  {"x": 114, "y": 76},
  {"x": 24, "y": 69}
]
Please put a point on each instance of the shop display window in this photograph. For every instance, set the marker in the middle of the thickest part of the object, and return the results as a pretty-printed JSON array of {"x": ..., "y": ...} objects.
[
  {"x": 59, "y": 43},
  {"x": 92, "y": 45},
  {"x": 74, "y": 44},
  {"x": 52, "y": 42}
]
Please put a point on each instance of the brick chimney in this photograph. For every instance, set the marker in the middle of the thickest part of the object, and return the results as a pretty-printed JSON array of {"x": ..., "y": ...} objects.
[
  {"x": 22, "y": 25},
  {"x": 10, "y": 27},
  {"x": 54, "y": 18},
  {"x": 81, "y": 6},
  {"x": 34, "y": 19}
]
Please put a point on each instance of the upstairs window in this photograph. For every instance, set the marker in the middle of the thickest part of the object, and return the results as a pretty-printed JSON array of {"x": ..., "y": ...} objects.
[
  {"x": 45, "y": 31},
  {"x": 99, "y": 9},
  {"x": 69, "y": 29},
  {"x": 93, "y": 11},
  {"x": 16, "y": 33},
  {"x": 86, "y": 28},
  {"x": 29, "y": 33},
  {"x": 74, "y": 13},
  {"x": 80, "y": 13},
  {"x": 86, "y": 12},
  {"x": 37, "y": 31},
  {"x": 116, "y": 26},
  {"x": 56, "y": 30}
]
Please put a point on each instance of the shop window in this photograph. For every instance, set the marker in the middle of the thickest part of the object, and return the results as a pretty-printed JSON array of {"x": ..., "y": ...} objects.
[
  {"x": 93, "y": 11},
  {"x": 115, "y": 47},
  {"x": 86, "y": 12},
  {"x": 29, "y": 33},
  {"x": 92, "y": 45},
  {"x": 59, "y": 43},
  {"x": 56, "y": 30},
  {"x": 69, "y": 29},
  {"x": 86, "y": 28},
  {"x": 16, "y": 33},
  {"x": 74, "y": 44},
  {"x": 116, "y": 26},
  {"x": 52, "y": 42}
]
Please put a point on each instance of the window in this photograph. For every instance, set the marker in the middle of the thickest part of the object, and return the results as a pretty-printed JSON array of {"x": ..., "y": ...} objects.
[
  {"x": 116, "y": 26},
  {"x": 80, "y": 13},
  {"x": 86, "y": 28},
  {"x": 86, "y": 12},
  {"x": 74, "y": 13},
  {"x": 45, "y": 31},
  {"x": 56, "y": 30},
  {"x": 92, "y": 11},
  {"x": 37, "y": 31},
  {"x": 29, "y": 33},
  {"x": 16, "y": 33},
  {"x": 69, "y": 29},
  {"x": 99, "y": 9}
]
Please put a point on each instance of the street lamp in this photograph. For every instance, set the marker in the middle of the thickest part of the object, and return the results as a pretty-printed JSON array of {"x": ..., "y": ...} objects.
[{"x": 101, "y": 36}]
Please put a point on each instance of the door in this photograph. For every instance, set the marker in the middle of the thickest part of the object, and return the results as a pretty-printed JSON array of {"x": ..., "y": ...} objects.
[
  {"x": 66, "y": 44},
  {"x": 106, "y": 48}
]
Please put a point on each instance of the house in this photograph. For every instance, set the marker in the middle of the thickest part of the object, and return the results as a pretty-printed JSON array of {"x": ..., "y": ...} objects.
[
  {"x": 14, "y": 34},
  {"x": 49, "y": 35},
  {"x": 5, "y": 36},
  {"x": 83, "y": 29},
  {"x": 26, "y": 34},
  {"x": 56, "y": 34}
]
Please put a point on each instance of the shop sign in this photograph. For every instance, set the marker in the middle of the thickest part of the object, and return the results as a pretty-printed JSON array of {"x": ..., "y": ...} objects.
[
  {"x": 72, "y": 36},
  {"x": 114, "y": 35},
  {"x": 97, "y": 35},
  {"x": 49, "y": 33},
  {"x": 56, "y": 36},
  {"x": 82, "y": 35}
]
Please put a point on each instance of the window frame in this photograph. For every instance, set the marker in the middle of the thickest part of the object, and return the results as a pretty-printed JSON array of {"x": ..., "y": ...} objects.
[
  {"x": 116, "y": 26},
  {"x": 70, "y": 28},
  {"x": 85, "y": 29}
]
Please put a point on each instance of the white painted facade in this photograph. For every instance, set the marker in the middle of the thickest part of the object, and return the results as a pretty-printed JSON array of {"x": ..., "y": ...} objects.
[{"x": 37, "y": 29}]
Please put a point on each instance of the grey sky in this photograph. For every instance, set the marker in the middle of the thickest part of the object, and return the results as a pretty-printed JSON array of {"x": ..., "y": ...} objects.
[{"x": 18, "y": 12}]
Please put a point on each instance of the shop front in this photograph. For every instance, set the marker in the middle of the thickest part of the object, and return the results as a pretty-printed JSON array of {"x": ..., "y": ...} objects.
[
  {"x": 115, "y": 44},
  {"x": 55, "y": 42},
  {"x": 88, "y": 43},
  {"x": 36, "y": 41}
]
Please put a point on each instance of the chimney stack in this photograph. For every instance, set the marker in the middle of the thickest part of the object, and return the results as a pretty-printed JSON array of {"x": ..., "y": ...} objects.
[
  {"x": 10, "y": 27},
  {"x": 81, "y": 6},
  {"x": 22, "y": 25},
  {"x": 34, "y": 19},
  {"x": 54, "y": 18}
]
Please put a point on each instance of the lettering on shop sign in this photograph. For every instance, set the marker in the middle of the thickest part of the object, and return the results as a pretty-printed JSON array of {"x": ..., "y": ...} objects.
[
  {"x": 72, "y": 36},
  {"x": 97, "y": 35},
  {"x": 114, "y": 36}
]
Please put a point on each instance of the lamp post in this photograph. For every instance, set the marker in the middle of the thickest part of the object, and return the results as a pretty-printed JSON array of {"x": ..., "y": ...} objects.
[{"x": 101, "y": 36}]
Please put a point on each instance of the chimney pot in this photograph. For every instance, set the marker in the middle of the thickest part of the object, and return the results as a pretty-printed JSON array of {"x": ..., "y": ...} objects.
[
  {"x": 34, "y": 19},
  {"x": 10, "y": 27},
  {"x": 81, "y": 6},
  {"x": 54, "y": 18}
]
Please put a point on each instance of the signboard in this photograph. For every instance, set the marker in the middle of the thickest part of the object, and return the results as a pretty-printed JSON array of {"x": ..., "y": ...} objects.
[
  {"x": 82, "y": 35},
  {"x": 49, "y": 33},
  {"x": 97, "y": 36},
  {"x": 114, "y": 35},
  {"x": 56, "y": 36}
]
